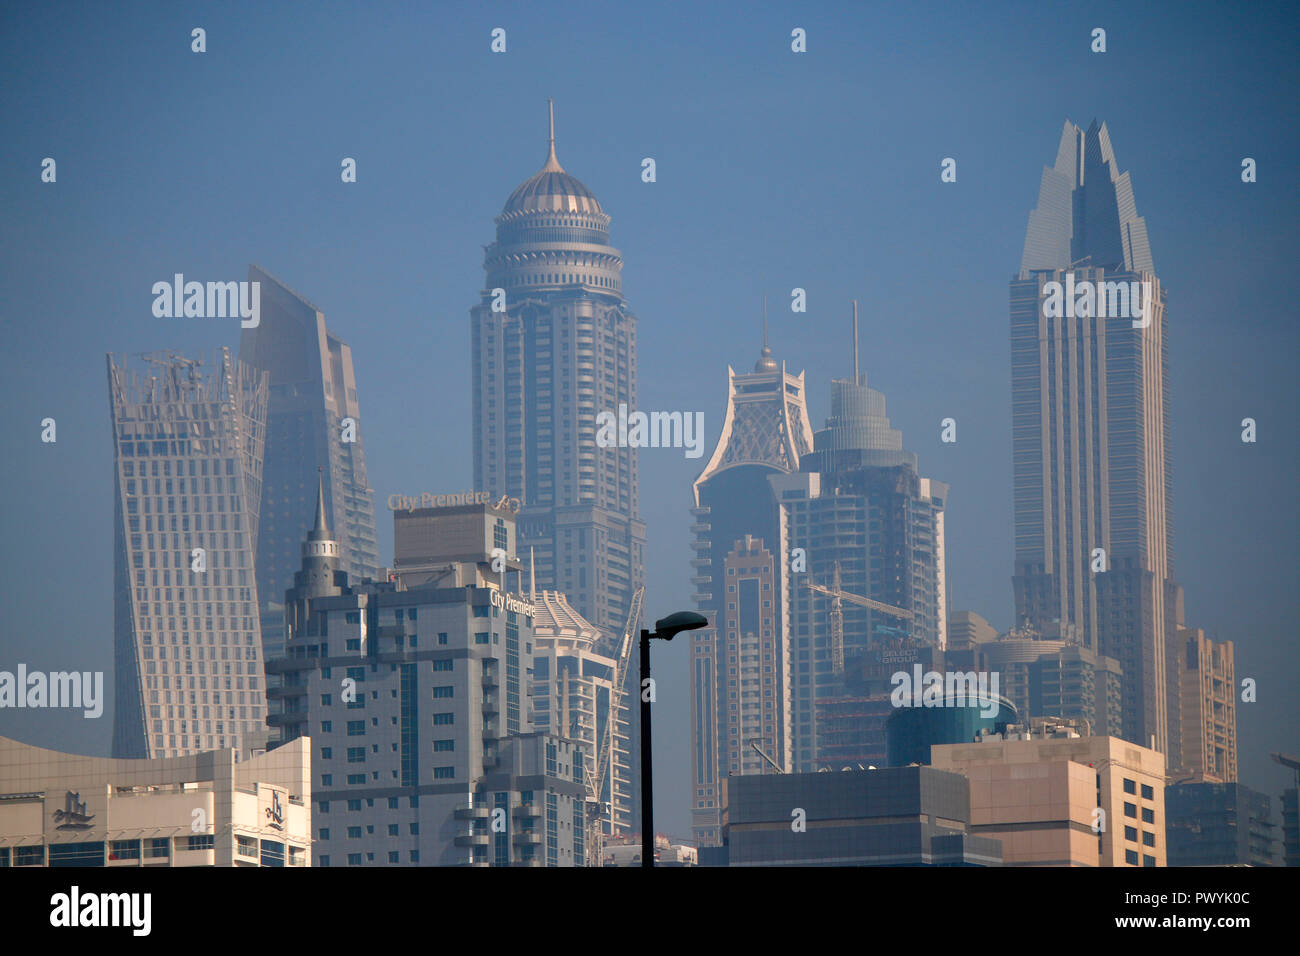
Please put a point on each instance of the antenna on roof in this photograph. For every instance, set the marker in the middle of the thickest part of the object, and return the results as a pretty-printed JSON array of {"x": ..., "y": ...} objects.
[{"x": 856, "y": 380}]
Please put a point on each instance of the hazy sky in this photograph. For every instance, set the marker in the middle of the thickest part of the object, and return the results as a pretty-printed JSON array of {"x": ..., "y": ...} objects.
[{"x": 775, "y": 170}]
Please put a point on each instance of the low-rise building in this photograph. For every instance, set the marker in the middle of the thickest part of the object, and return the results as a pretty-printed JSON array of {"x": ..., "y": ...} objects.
[
  {"x": 61, "y": 809},
  {"x": 895, "y": 816},
  {"x": 1057, "y": 798}
]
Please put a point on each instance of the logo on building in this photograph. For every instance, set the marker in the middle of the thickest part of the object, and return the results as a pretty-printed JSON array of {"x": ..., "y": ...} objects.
[
  {"x": 74, "y": 812},
  {"x": 275, "y": 812}
]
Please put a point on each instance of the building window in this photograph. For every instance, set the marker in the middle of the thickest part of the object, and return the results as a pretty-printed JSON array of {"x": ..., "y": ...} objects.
[
  {"x": 1130, "y": 786},
  {"x": 1130, "y": 810},
  {"x": 1148, "y": 815},
  {"x": 447, "y": 690},
  {"x": 443, "y": 665},
  {"x": 1148, "y": 838},
  {"x": 444, "y": 773},
  {"x": 443, "y": 719},
  {"x": 442, "y": 637},
  {"x": 1131, "y": 833},
  {"x": 1147, "y": 792},
  {"x": 444, "y": 746},
  {"x": 124, "y": 850},
  {"x": 1131, "y": 857}
]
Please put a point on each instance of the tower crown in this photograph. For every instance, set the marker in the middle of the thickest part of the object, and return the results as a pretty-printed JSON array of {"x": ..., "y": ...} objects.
[
  {"x": 551, "y": 189},
  {"x": 553, "y": 235}
]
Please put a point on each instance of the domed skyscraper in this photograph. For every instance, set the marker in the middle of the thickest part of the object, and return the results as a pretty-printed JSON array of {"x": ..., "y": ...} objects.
[{"x": 554, "y": 344}]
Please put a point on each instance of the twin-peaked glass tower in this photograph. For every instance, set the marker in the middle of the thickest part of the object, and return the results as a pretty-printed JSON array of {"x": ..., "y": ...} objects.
[{"x": 1090, "y": 429}]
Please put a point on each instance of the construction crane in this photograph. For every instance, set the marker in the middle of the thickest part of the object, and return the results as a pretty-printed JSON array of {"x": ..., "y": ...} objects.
[
  {"x": 599, "y": 773},
  {"x": 838, "y": 596},
  {"x": 775, "y": 766},
  {"x": 1291, "y": 763}
]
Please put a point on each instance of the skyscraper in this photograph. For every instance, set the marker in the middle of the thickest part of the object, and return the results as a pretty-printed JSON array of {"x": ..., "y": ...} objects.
[
  {"x": 313, "y": 427},
  {"x": 1090, "y": 428},
  {"x": 868, "y": 524},
  {"x": 554, "y": 344},
  {"x": 765, "y": 432},
  {"x": 188, "y": 455}
]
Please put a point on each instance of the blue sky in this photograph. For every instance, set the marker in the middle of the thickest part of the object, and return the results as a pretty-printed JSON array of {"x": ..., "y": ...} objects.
[{"x": 775, "y": 170}]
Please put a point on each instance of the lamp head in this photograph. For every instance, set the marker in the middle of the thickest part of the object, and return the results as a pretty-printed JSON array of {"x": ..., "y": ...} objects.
[{"x": 667, "y": 628}]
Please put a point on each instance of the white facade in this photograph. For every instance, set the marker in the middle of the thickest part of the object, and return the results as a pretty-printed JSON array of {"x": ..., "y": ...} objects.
[{"x": 60, "y": 809}]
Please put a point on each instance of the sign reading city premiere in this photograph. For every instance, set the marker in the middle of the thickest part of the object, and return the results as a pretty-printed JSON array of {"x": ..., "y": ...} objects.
[{"x": 398, "y": 502}]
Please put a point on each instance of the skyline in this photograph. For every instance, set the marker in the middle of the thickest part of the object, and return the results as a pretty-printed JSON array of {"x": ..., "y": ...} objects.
[{"x": 1233, "y": 563}]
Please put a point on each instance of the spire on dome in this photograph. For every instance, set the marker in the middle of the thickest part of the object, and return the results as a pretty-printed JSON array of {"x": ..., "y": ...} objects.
[{"x": 552, "y": 164}]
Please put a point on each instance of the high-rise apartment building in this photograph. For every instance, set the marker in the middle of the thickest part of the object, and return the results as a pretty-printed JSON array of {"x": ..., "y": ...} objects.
[
  {"x": 415, "y": 695},
  {"x": 1090, "y": 428},
  {"x": 1048, "y": 674},
  {"x": 765, "y": 431},
  {"x": 576, "y": 694},
  {"x": 1220, "y": 824},
  {"x": 868, "y": 526},
  {"x": 313, "y": 427},
  {"x": 554, "y": 345},
  {"x": 1206, "y": 742},
  {"x": 188, "y": 447}
]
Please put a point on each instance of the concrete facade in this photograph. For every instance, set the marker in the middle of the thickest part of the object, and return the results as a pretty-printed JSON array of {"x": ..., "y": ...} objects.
[
  {"x": 204, "y": 809},
  {"x": 903, "y": 816},
  {"x": 1038, "y": 789}
]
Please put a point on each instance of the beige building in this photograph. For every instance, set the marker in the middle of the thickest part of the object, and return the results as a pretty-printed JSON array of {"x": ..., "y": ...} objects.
[
  {"x": 59, "y": 809},
  {"x": 966, "y": 630},
  {"x": 1207, "y": 710},
  {"x": 1039, "y": 788}
]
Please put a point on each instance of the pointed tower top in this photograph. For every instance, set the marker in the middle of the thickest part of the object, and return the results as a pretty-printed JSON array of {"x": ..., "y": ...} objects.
[
  {"x": 552, "y": 164},
  {"x": 321, "y": 523},
  {"x": 765, "y": 361}
]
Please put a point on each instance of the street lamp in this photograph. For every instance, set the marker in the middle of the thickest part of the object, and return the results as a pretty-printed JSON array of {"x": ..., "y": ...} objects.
[{"x": 665, "y": 629}]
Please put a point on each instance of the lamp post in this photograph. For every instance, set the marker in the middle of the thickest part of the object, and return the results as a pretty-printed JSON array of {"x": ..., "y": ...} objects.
[{"x": 665, "y": 629}]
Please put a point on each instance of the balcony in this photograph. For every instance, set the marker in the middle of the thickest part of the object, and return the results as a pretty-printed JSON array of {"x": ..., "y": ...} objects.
[
  {"x": 527, "y": 838},
  {"x": 491, "y": 704},
  {"x": 473, "y": 839},
  {"x": 477, "y": 812},
  {"x": 526, "y": 811}
]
